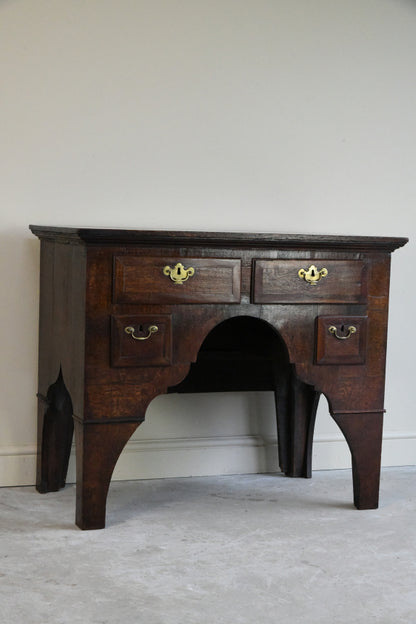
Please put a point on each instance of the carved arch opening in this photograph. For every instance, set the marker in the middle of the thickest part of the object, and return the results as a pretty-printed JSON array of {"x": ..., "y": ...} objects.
[
  {"x": 242, "y": 353},
  {"x": 247, "y": 353}
]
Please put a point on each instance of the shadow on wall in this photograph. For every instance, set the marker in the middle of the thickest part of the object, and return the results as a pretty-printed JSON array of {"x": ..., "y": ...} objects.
[{"x": 19, "y": 314}]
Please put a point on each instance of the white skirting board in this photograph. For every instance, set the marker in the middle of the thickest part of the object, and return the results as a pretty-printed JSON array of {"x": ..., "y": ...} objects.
[{"x": 184, "y": 457}]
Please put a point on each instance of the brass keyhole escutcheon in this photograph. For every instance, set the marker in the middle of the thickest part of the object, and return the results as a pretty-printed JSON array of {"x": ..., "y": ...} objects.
[
  {"x": 312, "y": 275},
  {"x": 178, "y": 274}
]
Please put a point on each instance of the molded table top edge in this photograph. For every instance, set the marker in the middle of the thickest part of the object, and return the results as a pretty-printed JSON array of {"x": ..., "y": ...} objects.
[{"x": 173, "y": 238}]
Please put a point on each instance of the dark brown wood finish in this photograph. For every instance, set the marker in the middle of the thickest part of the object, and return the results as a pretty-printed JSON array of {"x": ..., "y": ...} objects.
[
  {"x": 142, "y": 280},
  {"x": 277, "y": 281},
  {"x": 350, "y": 344},
  {"x": 244, "y": 320}
]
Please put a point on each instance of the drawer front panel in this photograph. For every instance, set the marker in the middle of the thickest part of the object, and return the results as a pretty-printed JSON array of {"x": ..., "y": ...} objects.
[
  {"x": 278, "y": 281},
  {"x": 141, "y": 340},
  {"x": 341, "y": 339},
  {"x": 175, "y": 280}
]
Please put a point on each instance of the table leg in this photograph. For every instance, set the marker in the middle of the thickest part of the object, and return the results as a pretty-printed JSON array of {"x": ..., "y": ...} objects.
[
  {"x": 363, "y": 432},
  {"x": 296, "y": 405},
  {"x": 98, "y": 447},
  {"x": 55, "y": 432}
]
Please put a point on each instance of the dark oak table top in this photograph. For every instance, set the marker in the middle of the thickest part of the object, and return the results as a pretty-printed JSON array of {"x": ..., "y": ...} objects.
[{"x": 176, "y": 238}]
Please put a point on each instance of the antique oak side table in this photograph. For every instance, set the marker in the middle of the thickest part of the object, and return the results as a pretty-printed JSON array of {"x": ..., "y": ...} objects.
[{"x": 126, "y": 315}]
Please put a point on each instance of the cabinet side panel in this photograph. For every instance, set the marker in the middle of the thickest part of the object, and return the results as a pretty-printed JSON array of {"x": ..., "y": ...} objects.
[{"x": 62, "y": 318}]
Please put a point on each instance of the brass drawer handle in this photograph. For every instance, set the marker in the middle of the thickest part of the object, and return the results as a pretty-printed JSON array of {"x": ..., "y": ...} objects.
[
  {"x": 178, "y": 274},
  {"x": 333, "y": 330},
  {"x": 151, "y": 330},
  {"x": 312, "y": 275}
]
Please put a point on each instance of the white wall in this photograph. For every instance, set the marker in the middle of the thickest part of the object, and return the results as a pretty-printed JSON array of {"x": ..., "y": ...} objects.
[{"x": 267, "y": 115}]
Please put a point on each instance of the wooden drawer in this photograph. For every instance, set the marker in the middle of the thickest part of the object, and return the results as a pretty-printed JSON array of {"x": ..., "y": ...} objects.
[
  {"x": 198, "y": 280},
  {"x": 278, "y": 281},
  {"x": 341, "y": 339},
  {"x": 141, "y": 340}
]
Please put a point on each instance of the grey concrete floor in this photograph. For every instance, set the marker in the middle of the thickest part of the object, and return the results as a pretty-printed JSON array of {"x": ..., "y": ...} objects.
[{"x": 242, "y": 549}]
